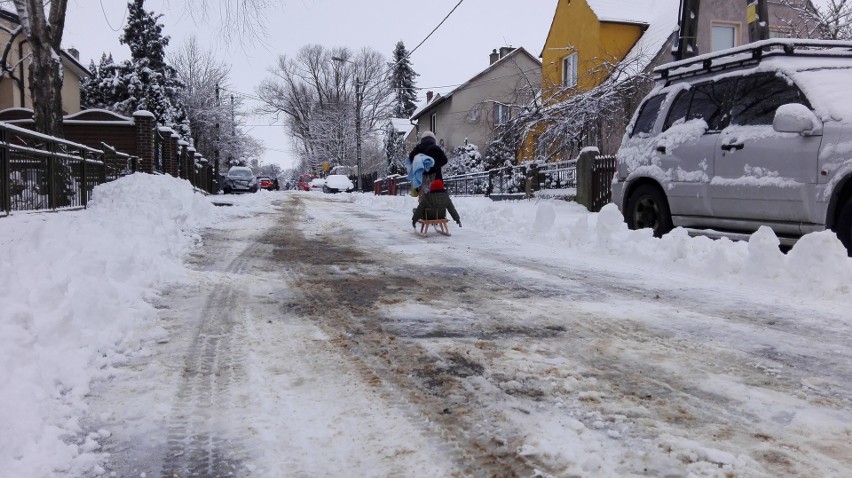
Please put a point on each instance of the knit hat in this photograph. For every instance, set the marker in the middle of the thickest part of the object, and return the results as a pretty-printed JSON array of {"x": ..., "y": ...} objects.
[
  {"x": 436, "y": 185},
  {"x": 427, "y": 134}
]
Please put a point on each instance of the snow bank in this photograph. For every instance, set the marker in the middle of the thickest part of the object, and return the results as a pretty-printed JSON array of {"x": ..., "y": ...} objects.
[
  {"x": 817, "y": 267},
  {"x": 72, "y": 288}
]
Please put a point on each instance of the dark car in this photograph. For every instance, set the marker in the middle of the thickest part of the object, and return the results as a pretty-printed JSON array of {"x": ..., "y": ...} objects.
[{"x": 240, "y": 179}]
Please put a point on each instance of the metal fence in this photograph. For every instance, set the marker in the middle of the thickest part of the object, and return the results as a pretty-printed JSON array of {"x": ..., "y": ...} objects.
[
  {"x": 39, "y": 172},
  {"x": 510, "y": 181},
  {"x": 520, "y": 181}
]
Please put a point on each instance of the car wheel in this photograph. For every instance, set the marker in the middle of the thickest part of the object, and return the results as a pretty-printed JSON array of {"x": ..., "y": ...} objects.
[
  {"x": 227, "y": 190},
  {"x": 843, "y": 226},
  {"x": 648, "y": 208}
]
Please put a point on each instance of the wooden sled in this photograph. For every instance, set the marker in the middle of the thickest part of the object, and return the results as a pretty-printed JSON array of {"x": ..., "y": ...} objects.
[{"x": 440, "y": 225}]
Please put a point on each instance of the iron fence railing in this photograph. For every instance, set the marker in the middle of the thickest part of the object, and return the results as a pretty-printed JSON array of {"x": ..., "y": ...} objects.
[
  {"x": 515, "y": 180},
  {"x": 39, "y": 172}
]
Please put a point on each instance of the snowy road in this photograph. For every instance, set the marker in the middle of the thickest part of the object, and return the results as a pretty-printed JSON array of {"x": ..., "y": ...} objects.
[{"x": 321, "y": 338}]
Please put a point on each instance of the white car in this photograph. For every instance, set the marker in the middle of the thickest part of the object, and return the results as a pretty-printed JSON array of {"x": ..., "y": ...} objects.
[
  {"x": 734, "y": 140},
  {"x": 316, "y": 184},
  {"x": 337, "y": 183}
]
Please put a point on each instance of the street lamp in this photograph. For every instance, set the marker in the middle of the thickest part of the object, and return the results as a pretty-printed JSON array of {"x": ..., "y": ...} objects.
[{"x": 358, "y": 100}]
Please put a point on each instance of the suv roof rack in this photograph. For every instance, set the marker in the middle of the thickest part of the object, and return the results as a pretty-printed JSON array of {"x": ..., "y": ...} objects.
[{"x": 751, "y": 54}]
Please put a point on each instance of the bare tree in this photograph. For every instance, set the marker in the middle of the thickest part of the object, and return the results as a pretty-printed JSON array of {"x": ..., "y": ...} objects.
[
  {"x": 827, "y": 19},
  {"x": 6, "y": 68},
  {"x": 205, "y": 79},
  {"x": 317, "y": 97},
  {"x": 596, "y": 117},
  {"x": 240, "y": 19},
  {"x": 43, "y": 24}
]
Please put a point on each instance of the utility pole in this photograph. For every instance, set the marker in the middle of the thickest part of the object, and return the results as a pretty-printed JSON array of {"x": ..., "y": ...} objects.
[
  {"x": 687, "y": 41},
  {"x": 358, "y": 100},
  {"x": 757, "y": 14},
  {"x": 218, "y": 143},
  {"x": 233, "y": 133}
]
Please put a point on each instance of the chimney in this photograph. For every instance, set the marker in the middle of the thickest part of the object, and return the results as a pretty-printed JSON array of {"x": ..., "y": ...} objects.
[
  {"x": 505, "y": 50},
  {"x": 74, "y": 52},
  {"x": 429, "y": 97},
  {"x": 494, "y": 56}
]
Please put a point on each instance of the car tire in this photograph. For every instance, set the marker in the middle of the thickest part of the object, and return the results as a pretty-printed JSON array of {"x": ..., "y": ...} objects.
[
  {"x": 843, "y": 226},
  {"x": 647, "y": 207},
  {"x": 227, "y": 190}
]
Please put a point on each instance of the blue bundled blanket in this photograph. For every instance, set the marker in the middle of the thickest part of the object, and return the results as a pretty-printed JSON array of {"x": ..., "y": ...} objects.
[{"x": 416, "y": 168}]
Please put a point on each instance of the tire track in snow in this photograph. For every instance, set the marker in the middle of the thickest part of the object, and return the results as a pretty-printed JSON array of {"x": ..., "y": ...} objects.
[{"x": 199, "y": 442}]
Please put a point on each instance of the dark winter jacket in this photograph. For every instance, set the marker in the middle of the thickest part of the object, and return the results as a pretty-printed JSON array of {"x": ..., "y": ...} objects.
[
  {"x": 429, "y": 147},
  {"x": 435, "y": 205}
]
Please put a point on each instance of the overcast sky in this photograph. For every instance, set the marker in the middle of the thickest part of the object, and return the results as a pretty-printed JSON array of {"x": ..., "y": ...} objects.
[{"x": 454, "y": 53}]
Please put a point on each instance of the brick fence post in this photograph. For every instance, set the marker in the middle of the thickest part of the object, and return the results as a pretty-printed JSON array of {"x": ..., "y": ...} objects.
[
  {"x": 144, "y": 121},
  {"x": 174, "y": 153},
  {"x": 168, "y": 158},
  {"x": 182, "y": 171},
  {"x": 190, "y": 165}
]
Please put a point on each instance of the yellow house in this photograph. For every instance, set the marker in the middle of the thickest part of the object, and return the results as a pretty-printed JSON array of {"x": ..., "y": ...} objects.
[
  {"x": 15, "y": 84},
  {"x": 589, "y": 42}
]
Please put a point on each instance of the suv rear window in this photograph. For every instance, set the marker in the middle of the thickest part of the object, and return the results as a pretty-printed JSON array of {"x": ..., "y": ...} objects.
[{"x": 648, "y": 115}]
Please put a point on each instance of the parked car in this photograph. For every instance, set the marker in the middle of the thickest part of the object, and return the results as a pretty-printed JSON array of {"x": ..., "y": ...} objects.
[
  {"x": 316, "y": 184},
  {"x": 304, "y": 182},
  {"x": 265, "y": 182},
  {"x": 753, "y": 136},
  {"x": 240, "y": 179},
  {"x": 337, "y": 183}
]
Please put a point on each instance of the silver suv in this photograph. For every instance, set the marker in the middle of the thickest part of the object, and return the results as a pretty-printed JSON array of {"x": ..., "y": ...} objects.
[{"x": 730, "y": 141}]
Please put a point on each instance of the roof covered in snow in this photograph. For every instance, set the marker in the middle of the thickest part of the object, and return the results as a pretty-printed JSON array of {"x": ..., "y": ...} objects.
[
  {"x": 634, "y": 11},
  {"x": 661, "y": 17}
]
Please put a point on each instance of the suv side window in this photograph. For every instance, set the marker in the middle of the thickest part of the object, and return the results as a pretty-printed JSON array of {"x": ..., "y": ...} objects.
[
  {"x": 758, "y": 96},
  {"x": 709, "y": 102},
  {"x": 679, "y": 108},
  {"x": 648, "y": 115}
]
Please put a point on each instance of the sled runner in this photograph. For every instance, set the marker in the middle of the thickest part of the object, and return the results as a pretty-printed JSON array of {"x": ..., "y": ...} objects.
[{"x": 440, "y": 225}]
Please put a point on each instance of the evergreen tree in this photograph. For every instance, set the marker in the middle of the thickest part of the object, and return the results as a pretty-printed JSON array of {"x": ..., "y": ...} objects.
[
  {"x": 95, "y": 92},
  {"x": 402, "y": 81},
  {"x": 145, "y": 37},
  {"x": 394, "y": 149},
  {"x": 147, "y": 81},
  {"x": 464, "y": 159}
]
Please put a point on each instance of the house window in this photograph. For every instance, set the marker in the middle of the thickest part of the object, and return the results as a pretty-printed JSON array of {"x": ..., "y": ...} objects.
[
  {"x": 778, "y": 34},
  {"x": 473, "y": 115},
  {"x": 724, "y": 36},
  {"x": 433, "y": 123},
  {"x": 502, "y": 113},
  {"x": 569, "y": 71}
]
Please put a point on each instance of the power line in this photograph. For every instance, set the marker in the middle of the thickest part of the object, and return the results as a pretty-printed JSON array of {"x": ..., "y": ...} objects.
[
  {"x": 123, "y": 17},
  {"x": 433, "y": 30}
]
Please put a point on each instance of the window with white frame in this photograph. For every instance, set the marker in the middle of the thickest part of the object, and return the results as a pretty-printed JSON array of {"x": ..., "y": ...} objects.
[
  {"x": 569, "y": 71},
  {"x": 724, "y": 36},
  {"x": 502, "y": 113},
  {"x": 433, "y": 123}
]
